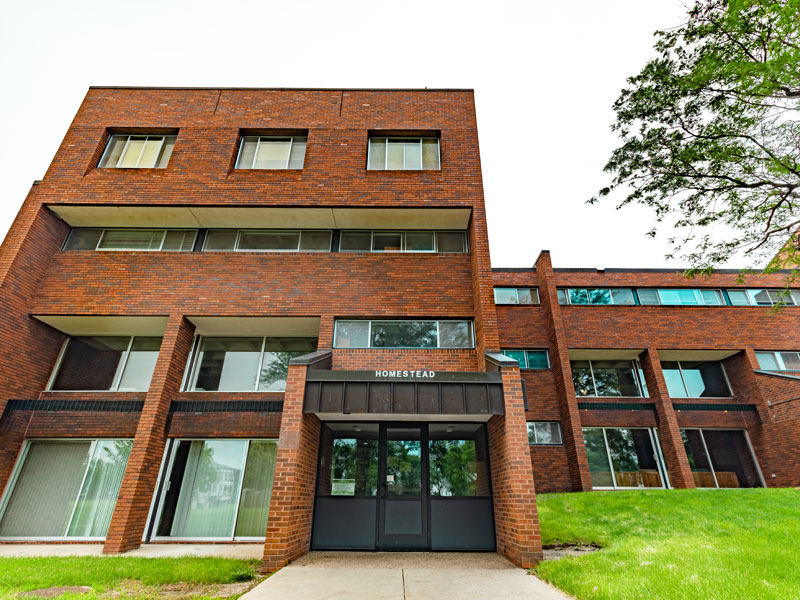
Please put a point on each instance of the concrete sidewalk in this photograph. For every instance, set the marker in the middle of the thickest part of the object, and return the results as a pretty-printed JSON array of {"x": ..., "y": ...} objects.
[
  {"x": 402, "y": 576},
  {"x": 145, "y": 550}
]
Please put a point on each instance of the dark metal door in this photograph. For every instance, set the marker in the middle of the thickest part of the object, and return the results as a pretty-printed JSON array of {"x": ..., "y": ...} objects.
[{"x": 403, "y": 487}]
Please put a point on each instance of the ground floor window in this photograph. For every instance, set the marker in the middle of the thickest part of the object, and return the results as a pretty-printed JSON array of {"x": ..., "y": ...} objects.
[
  {"x": 624, "y": 458},
  {"x": 64, "y": 489},
  {"x": 721, "y": 458},
  {"x": 216, "y": 489}
]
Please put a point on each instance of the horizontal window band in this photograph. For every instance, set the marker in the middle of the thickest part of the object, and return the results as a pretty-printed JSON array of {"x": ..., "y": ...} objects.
[
  {"x": 717, "y": 407},
  {"x": 616, "y": 406},
  {"x": 201, "y": 406},
  {"x": 123, "y": 406}
]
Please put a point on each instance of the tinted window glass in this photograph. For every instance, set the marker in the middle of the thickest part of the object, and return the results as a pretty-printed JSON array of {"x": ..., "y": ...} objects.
[
  {"x": 582, "y": 378},
  {"x": 518, "y": 355},
  {"x": 458, "y": 460},
  {"x": 455, "y": 334},
  {"x": 419, "y": 241},
  {"x": 404, "y": 334},
  {"x": 387, "y": 242},
  {"x": 348, "y": 464},
  {"x": 83, "y": 239},
  {"x": 505, "y": 295},
  {"x": 140, "y": 363},
  {"x": 450, "y": 241},
  {"x": 537, "y": 359},
  {"x": 352, "y": 334},
  {"x": 622, "y": 296},
  {"x": 221, "y": 239},
  {"x": 704, "y": 379},
  {"x": 355, "y": 241},
  {"x": 90, "y": 363},
  {"x": 275, "y": 364},
  {"x": 228, "y": 364}
]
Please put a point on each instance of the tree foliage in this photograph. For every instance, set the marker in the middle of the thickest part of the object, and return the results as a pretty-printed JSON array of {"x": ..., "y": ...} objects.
[{"x": 710, "y": 137}]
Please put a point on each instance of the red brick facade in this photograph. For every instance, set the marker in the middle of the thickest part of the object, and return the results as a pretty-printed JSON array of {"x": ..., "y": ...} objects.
[{"x": 39, "y": 281}]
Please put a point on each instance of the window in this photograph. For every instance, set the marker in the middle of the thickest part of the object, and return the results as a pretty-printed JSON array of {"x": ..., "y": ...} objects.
[
  {"x": 681, "y": 297},
  {"x": 597, "y": 378},
  {"x": 720, "y": 458},
  {"x": 403, "y": 334},
  {"x": 137, "y": 152},
  {"x": 544, "y": 433},
  {"x": 764, "y": 297},
  {"x": 64, "y": 488},
  {"x": 151, "y": 240},
  {"x": 268, "y": 240},
  {"x": 595, "y": 296},
  {"x": 624, "y": 458},
  {"x": 529, "y": 359},
  {"x": 516, "y": 295},
  {"x": 245, "y": 364},
  {"x": 272, "y": 152},
  {"x": 106, "y": 363},
  {"x": 779, "y": 361},
  {"x": 403, "y": 153},
  {"x": 695, "y": 379},
  {"x": 403, "y": 241},
  {"x": 459, "y": 460},
  {"x": 216, "y": 489}
]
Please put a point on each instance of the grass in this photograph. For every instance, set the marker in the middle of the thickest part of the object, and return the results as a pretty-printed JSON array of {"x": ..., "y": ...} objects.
[
  {"x": 106, "y": 574},
  {"x": 681, "y": 544}
]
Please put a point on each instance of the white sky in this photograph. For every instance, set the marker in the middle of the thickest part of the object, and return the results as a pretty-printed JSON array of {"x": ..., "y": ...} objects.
[{"x": 545, "y": 75}]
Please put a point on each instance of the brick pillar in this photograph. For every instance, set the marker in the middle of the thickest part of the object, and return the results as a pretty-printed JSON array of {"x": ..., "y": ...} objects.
[
  {"x": 571, "y": 431},
  {"x": 138, "y": 484},
  {"x": 740, "y": 369},
  {"x": 680, "y": 472},
  {"x": 292, "y": 504},
  {"x": 515, "y": 516},
  {"x": 325, "y": 339}
]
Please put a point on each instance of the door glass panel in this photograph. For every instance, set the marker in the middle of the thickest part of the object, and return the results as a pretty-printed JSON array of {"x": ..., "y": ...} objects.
[
  {"x": 633, "y": 458},
  {"x": 348, "y": 463},
  {"x": 259, "y": 473},
  {"x": 731, "y": 458},
  {"x": 458, "y": 460},
  {"x": 598, "y": 458},
  {"x": 698, "y": 459},
  {"x": 403, "y": 462}
]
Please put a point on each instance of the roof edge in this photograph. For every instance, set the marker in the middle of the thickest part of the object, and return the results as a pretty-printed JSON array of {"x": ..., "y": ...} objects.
[{"x": 277, "y": 89}]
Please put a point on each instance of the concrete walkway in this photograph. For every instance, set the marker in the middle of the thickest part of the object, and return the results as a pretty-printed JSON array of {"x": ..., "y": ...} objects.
[
  {"x": 145, "y": 550},
  {"x": 402, "y": 576}
]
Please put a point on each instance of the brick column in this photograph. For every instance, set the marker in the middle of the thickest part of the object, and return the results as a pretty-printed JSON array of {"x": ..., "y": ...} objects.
[
  {"x": 680, "y": 472},
  {"x": 291, "y": 507},
  {"x": 138, "y": 484},
  {"x": 571, "y": 431},
  {"x": 325, "y": 338},
  {"x": 740, "y": 369},
  {"x": 515, "y": 515}
]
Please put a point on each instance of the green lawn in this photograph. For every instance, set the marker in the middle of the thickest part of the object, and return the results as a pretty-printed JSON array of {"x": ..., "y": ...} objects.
[
  {"x": 681, "y": 544},
  {"x": 124, "y": 575}
]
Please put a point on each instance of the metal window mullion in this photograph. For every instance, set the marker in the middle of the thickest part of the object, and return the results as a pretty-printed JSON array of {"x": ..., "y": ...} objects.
[
  {"x": 260, "y": 362},
  {"x": 708, "y": 457},
  {"x": 123, "y": 362},
  {"x": 421, "y": 166},
  {"x": 12, "y": 481},
  {"x": 172, "y": 449},
  {"x": 610, "y": 462},
  {"x": 196, "y": 364},
  {"x": 779, "y": 361},
  {"x": 369, "y": 334},
  {"x": 594, "y": 383},
  {"x": 124, "y": 150},
  {"x": 57, "y": 366},
  {"x": 236, "y": 241},
  {"x": 92, "y": 449},
  {"x": 255, "y": 154},
  {"x": 660, "y": 463},
  {"x": 160, "y": 150},
  {"x": 241, "y": 487},
  {"x": 299, "y": 238},
  {"x": 141, "y": 152},
  {"x": 100, "y": 239},
  {"x": 438, "y": 343},
  {"x": 439, "y": 153},
  {"x": 163, "y": 239},
  {"x": 753, "y": 457},
  {"x": 289, "y": 154},
  {"x": 683, "y": 379}
]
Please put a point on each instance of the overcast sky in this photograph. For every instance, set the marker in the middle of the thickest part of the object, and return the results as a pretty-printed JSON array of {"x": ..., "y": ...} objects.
[{"x": 545, "y": 75}]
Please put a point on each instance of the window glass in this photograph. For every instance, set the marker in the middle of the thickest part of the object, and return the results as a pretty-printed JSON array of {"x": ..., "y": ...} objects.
[
  {"x": 672, "y": 375},
  {"x": 733, "y": 463},
  {"x": 633, "y": 458},
  {"x": 578, "y": 296},
  {"x": 712, "y": 297},
  {"x": 150, "y": 152},
  {"x": 562, "y": 296},
  {"x": 599, "y": 296},
  {"x": 648, "y": 296},
  {"x": 596, "y": 453},
  {"x": 83, "y": 239},
  {"x": 458, "y": 460},
  {"x": 455, "y": 334},
  {"x": 275, "y": 364},
  {"x": 518, "y": 355},
  {"x": 377, "y": 153},
  {"x": 450, "y": 241},
  {"x": 140, "y": 364},
  {"x": 761, "y": 297},
  {"x": 791, "y": 360},
  {"x": 138, "y": 151},
  {"x": 412, "y": 158},
  {"x": 505, "y": 296},
  {"x": 403, "y": 153},
  {"x": 702, "y": 473},
  {"x": 90, "y": 363},
  {"x": 582, "y": 378},
  {"x": 247, "y": 152},
  {"x": 298, "y": 154},
  {"x": 221, "y": 239},
  {"x": 348, "y": 463},
  {"x": 403, "y": 334},
  {"x": 131, "y": 239},
  {"x": 352, "y": 334},
  {"x": 179, "y": 240},
  {"x": 387, "y": 242},
  {"x": 538, "y": 359},
  {"x": 403, "y": 461},
  {"x": 315, "y": 241},
  {"x": 528, "y": 296},
  {"x": 615, "y": 378},
  {"x": 767, "y": 361},
  {"x": 704, "y": 380},
  {"x": 430, "y": 153},
  {"x": 544, "y": 433},
  {"x": 269, "y": 240},
  {"x": 739, "y": 297},
  {"x": 622, "y": 296},
  {"x": 419, "y": 241},
  {"x": 394, "y": 154},
  {"x": 228, "y": 364},
  {"x": 355, "y": 241},
  {"x": 259, "y": 473},
  {"x": 116, "y": 144},
  {"x": 272, "y": 153},
  {"x": 132, "y": 152}
]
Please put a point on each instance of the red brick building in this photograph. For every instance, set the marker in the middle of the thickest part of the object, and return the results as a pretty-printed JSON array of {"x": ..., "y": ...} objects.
[{"x": 269, "y": 315}]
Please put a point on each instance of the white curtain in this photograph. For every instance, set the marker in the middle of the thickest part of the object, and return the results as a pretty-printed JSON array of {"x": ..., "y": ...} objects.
[{"x": 256, "y": 489}]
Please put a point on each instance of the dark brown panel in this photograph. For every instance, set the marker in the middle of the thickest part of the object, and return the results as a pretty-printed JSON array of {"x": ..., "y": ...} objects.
[
  {"x": 428, "y": 398},
  {"x": 452, "y": 399},
  {"x": 331, "y": 400},
  {"x": 311, "y": 399},
  {"x": 477, "y": 399},
  {"x": 355, "y": 397},
  {"x": 496, "y": 398},
  {"x": 380, "y": 398},
  {"x": 404, "y": 399}
]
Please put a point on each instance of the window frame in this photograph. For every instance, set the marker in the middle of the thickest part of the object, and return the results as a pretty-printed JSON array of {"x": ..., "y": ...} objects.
[
  {"x": 792, "y": 299},
  {"x": 237, "y": 241},
  {"x": 753, "y": 456},
  {"x": 638, "y": 376},
  {"x": 533, "y": 290},
  {"x": 686, "y": 389},
  {"x": 404, "y": 137},
  {"x": 403, "y": 246},
  {"x": 291, "y": 138},
  {"x": 369, "y": 334},
  {"x": 538, "y": 443},
  {"x": 527, "y": 361},
  {"x": 777, "y": 356},
  {"x": 147, "y": 137},
  {"x": 103, "y": 230},
  {"x": 566, "y": 295},
  {"x": 661, "y": 464}
]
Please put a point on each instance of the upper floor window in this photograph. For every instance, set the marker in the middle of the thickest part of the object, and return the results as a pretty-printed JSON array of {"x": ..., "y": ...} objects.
[
  {"x": 529, "y": 359},
  {"x": 503, "y": 295},
  {"x": 544, "y": 433},
  {"x": 608, "y": 378},
  {"x": 106, "y": 363},
  {"x": 137, "y": 152},
  {"x": 272, "y": 152},
  {"x": 403, "y": 153},
  {"x": 403, "y": 334},
  {"x": 695, "y": 379},
  {"x": 779, "y": 361},
  {"x": 268, "y": 240},
  {"x": 152, "y": 240},
  {"x": 595, "y": 296},
  {"x": 403, "y": 241},
  {"x": 764, "y": 297},
  {"x": 677, "y": 297},
  {"x": 244, "y": 364}
]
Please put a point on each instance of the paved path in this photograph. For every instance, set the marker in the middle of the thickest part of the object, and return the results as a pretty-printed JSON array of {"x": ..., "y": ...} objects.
[
  {"x": 146, "y": 550},
  {"x": 402, "y": 576}
]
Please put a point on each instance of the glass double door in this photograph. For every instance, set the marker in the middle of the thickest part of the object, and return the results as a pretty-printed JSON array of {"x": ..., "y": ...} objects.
[{"x": 403, "y": 477}]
